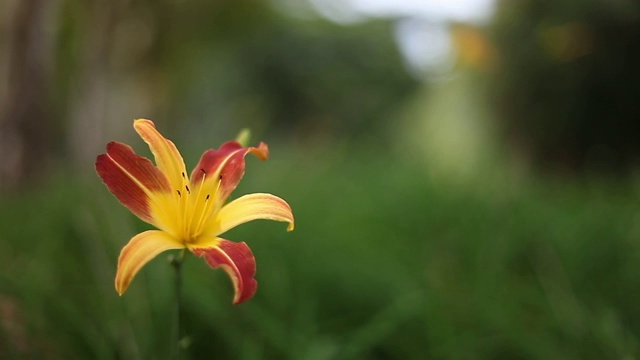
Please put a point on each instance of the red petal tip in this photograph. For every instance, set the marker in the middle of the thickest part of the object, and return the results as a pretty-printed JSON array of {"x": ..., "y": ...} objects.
[{"x": 237, "y": 260}]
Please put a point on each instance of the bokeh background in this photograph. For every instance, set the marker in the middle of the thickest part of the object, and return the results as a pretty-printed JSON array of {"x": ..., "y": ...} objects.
[{"x": 464, "y": 176}]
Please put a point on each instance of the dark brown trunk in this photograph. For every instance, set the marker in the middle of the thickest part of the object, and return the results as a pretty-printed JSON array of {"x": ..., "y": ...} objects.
[{"x": 25, "y": 115}]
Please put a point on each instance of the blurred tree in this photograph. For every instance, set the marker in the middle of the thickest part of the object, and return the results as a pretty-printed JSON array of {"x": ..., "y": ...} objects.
[
  {"x": 78, "y": 72},
  {"x": 248, "y": 61},
  {"x": 330, "y": 79},
  {"x": 25, "y": 120},
  {"x": 569, "y": 82}
]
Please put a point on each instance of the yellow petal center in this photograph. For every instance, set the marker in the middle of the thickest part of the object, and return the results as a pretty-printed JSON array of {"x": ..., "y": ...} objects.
[{"x": 189, "y": 212}]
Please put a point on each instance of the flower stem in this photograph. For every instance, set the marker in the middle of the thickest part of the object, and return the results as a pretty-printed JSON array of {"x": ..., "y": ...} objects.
[{"x": 176, "y": 261}]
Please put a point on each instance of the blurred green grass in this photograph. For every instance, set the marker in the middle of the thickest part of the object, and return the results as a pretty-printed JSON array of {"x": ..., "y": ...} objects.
[{"x": 385, "y": 263}]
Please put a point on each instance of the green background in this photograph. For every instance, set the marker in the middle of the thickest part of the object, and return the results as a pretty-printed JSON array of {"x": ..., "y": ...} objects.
[{"x": 489, "y": 211}]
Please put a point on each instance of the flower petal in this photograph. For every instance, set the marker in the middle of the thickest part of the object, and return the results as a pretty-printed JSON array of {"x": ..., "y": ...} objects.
[
  {"x": 253, "y": 207},
  {"x": 166, "y": 154},
  {"x": 139, "y": 251},
  {"x": 237, "y": 260},
  {"x": 222, "y": 169},
  {"x": 131, "y": 178}
]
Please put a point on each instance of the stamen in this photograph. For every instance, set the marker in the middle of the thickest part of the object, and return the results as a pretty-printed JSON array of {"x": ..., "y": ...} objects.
[
  {"x": 204, "y": 172},
  {"x": 179, "y": 193},
  {"x": 183, "y": 175},
  {"x": 207, "y": 210},
  {"x": 187, "y": 187}
]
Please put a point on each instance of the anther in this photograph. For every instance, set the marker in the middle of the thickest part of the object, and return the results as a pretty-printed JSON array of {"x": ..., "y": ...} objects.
[
  {"x": 204, "y": 172},
  {"x": 179, "y": 193},
  {"x": 187, "y": 187},
  {"x": 220, "y": 177},
  {"x": 183, "y": 175},
  {"x": 207, "y": 197}
]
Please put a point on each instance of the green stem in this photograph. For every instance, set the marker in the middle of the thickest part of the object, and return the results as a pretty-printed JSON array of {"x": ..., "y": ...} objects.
[{"x": 176, "y": 262}]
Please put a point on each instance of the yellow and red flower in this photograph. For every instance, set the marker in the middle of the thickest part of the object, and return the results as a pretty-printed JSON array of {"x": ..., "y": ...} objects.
[{"x": 189, "y": 211}]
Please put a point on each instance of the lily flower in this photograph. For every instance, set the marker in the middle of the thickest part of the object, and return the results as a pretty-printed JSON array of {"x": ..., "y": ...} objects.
[{"x": 189, "y": 211}]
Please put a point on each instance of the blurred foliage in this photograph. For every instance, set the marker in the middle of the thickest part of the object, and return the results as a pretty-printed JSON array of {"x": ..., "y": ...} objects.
[
  {"x": 383, "y": 264},
  {"x": 569, "y": 82}
]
